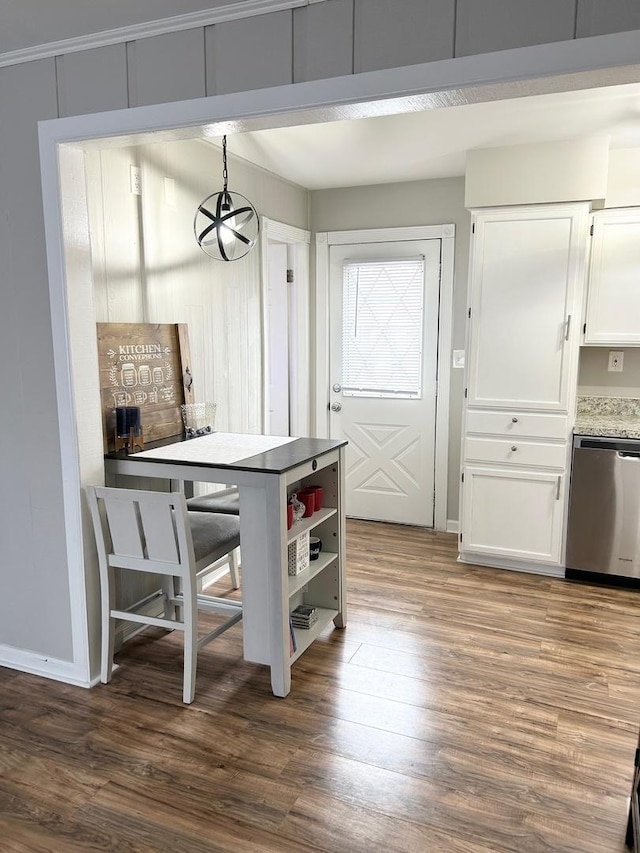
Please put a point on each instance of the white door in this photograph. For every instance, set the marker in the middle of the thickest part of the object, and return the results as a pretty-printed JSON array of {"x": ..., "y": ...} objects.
[
  {"x": 277, "y": 322},
  {"x": 513, "y": 513},
  {"x": 383, "y": 353}
]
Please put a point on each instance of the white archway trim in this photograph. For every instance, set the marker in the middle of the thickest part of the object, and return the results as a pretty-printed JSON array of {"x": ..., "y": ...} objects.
[{"x": 445, "y": 233}]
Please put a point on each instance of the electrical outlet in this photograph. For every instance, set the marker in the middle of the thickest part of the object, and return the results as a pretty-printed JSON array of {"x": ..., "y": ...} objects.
[{"x": 616, "y": 360}]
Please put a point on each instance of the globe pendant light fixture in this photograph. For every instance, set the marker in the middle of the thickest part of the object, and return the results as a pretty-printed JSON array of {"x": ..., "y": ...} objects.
[{"x": 226, "y": 224}]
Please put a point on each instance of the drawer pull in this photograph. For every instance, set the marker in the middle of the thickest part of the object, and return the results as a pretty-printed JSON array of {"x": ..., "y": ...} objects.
[
  {"x": 514, "y": 420},
  {"x": 558, "y": 488},
  {"x": 514, "y": 447}
]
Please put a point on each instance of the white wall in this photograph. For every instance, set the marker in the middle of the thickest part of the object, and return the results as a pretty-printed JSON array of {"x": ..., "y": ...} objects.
[
  {"x": 623, "y": 183},
  {"x": 571, "y": 170},
  {"x": 416, "y": 203},
  {"x": 151, "y": 270},
  {"x": 257, "y": 53}
]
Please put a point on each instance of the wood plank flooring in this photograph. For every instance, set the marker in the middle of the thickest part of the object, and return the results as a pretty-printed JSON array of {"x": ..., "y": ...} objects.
[{"x": 464, "y": 709}]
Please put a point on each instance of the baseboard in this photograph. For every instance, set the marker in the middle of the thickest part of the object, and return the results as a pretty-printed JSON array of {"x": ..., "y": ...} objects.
[
  {"x": 512, "y": 565},
  {"x": 453, "y": 525},
  {"x": 35, "y": 664}
]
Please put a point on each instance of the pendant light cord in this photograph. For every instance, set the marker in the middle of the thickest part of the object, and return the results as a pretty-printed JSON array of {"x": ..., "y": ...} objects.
[{"x": 225, "y": 176}]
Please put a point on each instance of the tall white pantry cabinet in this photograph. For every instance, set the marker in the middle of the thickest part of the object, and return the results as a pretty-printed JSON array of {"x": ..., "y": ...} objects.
[{"x": 526, "y": 285}]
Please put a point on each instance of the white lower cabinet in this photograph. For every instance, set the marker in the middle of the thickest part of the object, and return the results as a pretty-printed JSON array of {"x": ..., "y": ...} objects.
[{"x": 512, "y": 513}]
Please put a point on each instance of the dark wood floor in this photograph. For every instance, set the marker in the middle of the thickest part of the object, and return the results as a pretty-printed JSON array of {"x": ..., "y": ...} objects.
[{"x": 463, "y": 709}]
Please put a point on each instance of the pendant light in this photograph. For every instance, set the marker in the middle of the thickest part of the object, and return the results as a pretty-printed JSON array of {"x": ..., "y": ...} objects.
[{"x": 226, "y": 224}]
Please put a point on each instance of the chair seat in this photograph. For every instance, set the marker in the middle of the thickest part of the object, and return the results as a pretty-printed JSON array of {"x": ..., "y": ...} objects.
[
  {"x": 213, "y": 534},
  {"x": 226, "y": 501}
]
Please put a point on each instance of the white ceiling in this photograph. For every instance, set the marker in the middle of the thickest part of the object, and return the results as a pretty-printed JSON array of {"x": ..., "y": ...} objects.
[{"x": 433, "y": 144}]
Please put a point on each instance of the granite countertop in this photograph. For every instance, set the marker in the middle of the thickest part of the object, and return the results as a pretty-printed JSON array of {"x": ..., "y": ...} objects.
[{"x": 618, "y": 417}]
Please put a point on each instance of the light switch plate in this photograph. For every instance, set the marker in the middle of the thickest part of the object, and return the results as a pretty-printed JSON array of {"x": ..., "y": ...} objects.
[{"x": 616, "y": 360}]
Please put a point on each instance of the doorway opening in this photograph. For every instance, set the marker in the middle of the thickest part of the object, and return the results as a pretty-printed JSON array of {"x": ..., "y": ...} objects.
[{"x": 63, "y": 143}]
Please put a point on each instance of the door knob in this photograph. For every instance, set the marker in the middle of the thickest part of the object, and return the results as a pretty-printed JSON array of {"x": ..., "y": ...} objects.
[
  {"x": 336, "y": 407},
  {"x": 337, "y": 388}
]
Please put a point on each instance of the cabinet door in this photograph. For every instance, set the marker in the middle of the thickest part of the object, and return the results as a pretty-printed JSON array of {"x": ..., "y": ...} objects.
[
  {"x": 513, "y": 513},
  {"x": 613, "y": 303},
  {"x": 527, "y": 272}
]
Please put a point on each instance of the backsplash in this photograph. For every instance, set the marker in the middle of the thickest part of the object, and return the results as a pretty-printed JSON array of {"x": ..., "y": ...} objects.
[{"x": 594, "y": 380}]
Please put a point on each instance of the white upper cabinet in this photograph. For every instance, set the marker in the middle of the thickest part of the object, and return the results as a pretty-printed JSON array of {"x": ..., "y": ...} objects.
[
  {"x": 613, "y": 304},
  {"x": 527, "y": 271}
]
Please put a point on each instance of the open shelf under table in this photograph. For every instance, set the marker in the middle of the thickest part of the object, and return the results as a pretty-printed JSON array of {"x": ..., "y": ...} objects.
[
  {"x": 309, "y": 523},
  {"x": 296, "y": 582},
  {"x": 306, "y": 636}
]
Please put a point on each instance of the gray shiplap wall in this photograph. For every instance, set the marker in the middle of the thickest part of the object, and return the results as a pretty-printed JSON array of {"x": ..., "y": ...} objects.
[{"x": 311, "y": 42}]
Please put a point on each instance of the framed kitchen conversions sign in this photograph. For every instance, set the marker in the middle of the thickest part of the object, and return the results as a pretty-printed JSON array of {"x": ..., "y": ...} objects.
[{"x": 146, "y": 365}]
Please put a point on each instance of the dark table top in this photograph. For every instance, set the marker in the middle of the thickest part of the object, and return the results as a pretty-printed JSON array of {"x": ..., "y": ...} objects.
[{"x": 276, "y": 460}]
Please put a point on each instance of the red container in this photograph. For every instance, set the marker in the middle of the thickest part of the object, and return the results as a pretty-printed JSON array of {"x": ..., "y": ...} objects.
[
  {"x": 308, "y": 498},
  {"x": 318, "y": 494},
  {"x": 289, "y": 516}
]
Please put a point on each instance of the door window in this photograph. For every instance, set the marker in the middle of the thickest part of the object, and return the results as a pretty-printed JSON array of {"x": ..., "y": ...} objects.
[{"x": 383, "y": 305}]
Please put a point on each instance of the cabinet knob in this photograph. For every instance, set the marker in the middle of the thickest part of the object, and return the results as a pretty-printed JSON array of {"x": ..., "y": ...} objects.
[
  {"x": 514, "y": 447},
  {"x": 514, "y": 420}
]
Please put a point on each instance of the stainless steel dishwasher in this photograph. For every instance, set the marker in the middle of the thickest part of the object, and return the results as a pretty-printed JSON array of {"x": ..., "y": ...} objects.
[{"x": 604, "y": 507}]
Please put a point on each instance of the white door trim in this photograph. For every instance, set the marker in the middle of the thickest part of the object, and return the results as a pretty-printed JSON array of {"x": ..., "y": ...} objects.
[
  {"x": 562, "y": 66},
  {"x": 299, "y": 402},
  {"x": 445, "y": 233}
]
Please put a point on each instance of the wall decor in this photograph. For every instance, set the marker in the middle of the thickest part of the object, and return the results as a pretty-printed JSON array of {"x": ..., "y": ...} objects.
[{"x": 147, "y": 365}]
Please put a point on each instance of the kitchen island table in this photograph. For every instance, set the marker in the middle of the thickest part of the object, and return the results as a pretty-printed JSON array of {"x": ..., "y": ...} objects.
[{"x": 267, "y": 469}]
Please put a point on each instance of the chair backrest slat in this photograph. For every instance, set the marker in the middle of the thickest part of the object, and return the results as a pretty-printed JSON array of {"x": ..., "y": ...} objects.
[
  {"x": 124, "y": 527},
  {"x": 158, "y": 523}
]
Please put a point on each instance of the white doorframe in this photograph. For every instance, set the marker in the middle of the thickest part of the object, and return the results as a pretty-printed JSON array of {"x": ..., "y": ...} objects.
[
  {"x": 562, "y": 66},
  {"x": 298, "y": 241},
  {"x": 445, "y": 233}
]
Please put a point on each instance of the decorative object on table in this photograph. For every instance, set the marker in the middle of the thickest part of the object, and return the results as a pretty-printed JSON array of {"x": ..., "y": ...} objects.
[
  {"x": 298, "y": 554},
  {"x": 298, "y": 507},
  {"x": 144, "y": 365},
  {"x": 308, "y": 499},
  {"x": 198, "y": 418},
  {"x": 304, "y": 616},
  {"x": 128, "y": 432},
  {"x": 315, "y": 546},
  {"x": 226, "y": 224}
]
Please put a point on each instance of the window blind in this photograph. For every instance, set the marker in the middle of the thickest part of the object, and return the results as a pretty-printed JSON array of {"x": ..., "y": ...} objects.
[{"x": 382, "y": 323}]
